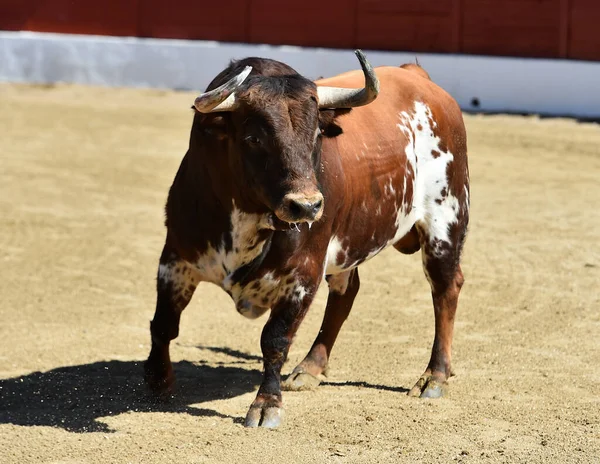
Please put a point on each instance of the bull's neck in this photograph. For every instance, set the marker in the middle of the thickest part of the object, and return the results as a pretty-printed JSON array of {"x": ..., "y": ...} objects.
[{"x": 207, "y": 193}]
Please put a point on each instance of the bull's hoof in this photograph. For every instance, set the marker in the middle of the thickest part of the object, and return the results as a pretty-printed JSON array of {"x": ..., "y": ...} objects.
[
  {"x": 429, "y": 386},
  {"x": 265, "y": 412},
  {"x": 300, "y": 380},
  {"x": 159, "y": 380}
]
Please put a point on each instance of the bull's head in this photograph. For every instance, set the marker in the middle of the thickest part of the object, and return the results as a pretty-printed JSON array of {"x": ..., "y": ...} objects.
[{"x": 272, "y": 122}]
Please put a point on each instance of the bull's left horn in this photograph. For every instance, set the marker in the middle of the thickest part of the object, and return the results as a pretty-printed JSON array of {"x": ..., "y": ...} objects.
[
  {"x": 222, "y": 98},
  {"x": 336, "y": 97}
]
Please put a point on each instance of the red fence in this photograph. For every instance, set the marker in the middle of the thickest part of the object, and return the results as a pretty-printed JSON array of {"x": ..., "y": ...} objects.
[{"x": 528, "y": 28}]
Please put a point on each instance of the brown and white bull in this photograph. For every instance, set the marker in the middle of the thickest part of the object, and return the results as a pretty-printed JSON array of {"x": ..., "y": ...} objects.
[{"x": 284, "y": 184}]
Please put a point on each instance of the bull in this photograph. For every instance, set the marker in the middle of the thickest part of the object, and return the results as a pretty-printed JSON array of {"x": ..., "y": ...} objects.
[{"x": 287, "y": 182}]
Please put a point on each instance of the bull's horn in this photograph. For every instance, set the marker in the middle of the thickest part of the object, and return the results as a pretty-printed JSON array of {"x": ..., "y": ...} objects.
[
  {"x": 222, "y": 98},
  {"x": 336, "y": 97}
]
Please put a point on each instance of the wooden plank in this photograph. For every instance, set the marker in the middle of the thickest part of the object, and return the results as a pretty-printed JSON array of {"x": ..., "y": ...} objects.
[
  {"x": 15, "y": 13},
  {"x": 109, "y": 17},
  {"x": 431, "y": 7},
  {"x": 309, "y": 23},
  {"x": 223, "y": 20},
  {"x": 528, "y": 28},
  {"x": 457, "y": 6},
  {"x": 565, "y": 20},
  {"x": 394, "y": 29},
  {"x": 584, "y": 37}
]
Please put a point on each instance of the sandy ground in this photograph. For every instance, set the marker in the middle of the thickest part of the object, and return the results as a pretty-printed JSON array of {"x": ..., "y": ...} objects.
[{"x": 84, "y": 175}]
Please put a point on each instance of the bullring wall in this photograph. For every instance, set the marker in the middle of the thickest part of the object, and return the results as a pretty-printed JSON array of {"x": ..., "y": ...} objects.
[{"x": 566, "y": 29}]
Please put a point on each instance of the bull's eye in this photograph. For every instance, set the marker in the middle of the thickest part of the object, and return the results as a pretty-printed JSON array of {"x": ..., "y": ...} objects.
[{"x": 252, "y": 140}]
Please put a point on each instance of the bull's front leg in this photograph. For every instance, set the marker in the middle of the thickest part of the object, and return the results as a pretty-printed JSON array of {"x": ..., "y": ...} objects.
[
  {"x": 275, "y": 342},
  {"x": 343, "y": 288},
  {"x": 176, "y": 282}
]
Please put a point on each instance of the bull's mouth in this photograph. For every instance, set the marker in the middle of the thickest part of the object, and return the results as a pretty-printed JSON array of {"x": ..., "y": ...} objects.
[
  {"x": 275, "y": 223},
  {"x": 295, "y": 210}
]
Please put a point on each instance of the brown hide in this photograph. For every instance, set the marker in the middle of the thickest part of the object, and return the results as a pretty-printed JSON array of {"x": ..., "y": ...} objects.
[{"x": 371, "y": 151}]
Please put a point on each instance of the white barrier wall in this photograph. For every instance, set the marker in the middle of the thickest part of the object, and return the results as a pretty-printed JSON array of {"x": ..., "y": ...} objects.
[{"x": 552, "y": 87}]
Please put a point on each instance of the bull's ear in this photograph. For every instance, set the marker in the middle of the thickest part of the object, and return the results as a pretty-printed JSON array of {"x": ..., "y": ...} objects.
[{"x": 328, "y": 121}]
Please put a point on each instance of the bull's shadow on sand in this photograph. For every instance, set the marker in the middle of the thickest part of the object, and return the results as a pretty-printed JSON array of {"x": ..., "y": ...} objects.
[{"x": 75, "y": 397}]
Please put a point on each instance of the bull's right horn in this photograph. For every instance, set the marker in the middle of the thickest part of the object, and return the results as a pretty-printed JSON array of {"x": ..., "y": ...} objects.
[
  {"x": 336, "y": 97},
  {"x": 222, "y": 98}
]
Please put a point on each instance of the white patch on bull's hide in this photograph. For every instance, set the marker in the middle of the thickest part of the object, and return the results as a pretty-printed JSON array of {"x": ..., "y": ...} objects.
[
  {"x": 334, "y": 249},
  {"x": 338, "y": 283},
  {"x": 177, "y": 271},
  {"x": 430, "y": 174},
  {"x": 165, "y": 271},
  {"x": 258, "y": 296},
  {"x": 388, "y": 188},
  {"x": 181, "y": 276},
  {"x": 218, "y": 264},
  {"x": 324, "y": 267},
  {"x": 299, "y": 293}
]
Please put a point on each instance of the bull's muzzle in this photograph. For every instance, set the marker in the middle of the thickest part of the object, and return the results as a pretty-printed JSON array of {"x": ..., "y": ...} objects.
[{"x": 299, "y": 207}]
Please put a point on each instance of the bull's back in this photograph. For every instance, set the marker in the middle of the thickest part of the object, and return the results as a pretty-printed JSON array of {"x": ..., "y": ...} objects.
[{"x": 400, "y": 88}]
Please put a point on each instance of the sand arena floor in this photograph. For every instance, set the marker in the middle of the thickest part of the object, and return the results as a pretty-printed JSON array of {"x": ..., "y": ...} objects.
[{"x": 84, "y": 174}]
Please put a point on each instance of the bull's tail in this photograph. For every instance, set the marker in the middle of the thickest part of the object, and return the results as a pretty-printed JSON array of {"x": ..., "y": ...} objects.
[{"x": 416, "y": 67}]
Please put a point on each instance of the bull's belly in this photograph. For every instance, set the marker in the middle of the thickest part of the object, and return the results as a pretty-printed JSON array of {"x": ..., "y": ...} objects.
[{"x": 364, "y": 237}]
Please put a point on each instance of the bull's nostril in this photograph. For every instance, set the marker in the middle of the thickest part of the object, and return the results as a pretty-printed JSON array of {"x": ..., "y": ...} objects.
[
  {"x": 295, "y": 208},
  {"x": 317, "y": 206}
]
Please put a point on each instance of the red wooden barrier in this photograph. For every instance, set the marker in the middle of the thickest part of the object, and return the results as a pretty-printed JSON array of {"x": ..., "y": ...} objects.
[
  {"x": 223, "y": 20},
  {"x": 584, "y": 40},
  {"x": 326, "y": 23},
  {"x": 106, "y": 17},
  {"x": 511, "y": 27},
  {"x": 407, "y": 25},
  {"x": 529, "y": 28}
]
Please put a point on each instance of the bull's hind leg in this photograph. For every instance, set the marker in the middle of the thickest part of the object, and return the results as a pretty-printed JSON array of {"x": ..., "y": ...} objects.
[
  {"x": 441, "y": 263},
  {"x": 342, "y": 291},
  {"x": 176, "y": 282}
]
